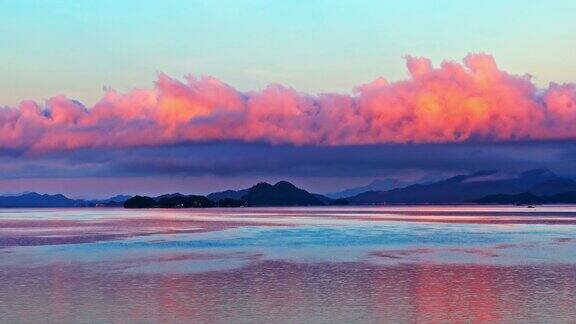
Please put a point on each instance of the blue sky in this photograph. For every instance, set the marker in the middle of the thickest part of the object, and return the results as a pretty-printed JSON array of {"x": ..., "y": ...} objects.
[{"x": 78, "y": 47}]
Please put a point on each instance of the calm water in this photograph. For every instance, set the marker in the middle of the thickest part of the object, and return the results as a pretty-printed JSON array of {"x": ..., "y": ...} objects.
[{"x": 289, "y": 265}]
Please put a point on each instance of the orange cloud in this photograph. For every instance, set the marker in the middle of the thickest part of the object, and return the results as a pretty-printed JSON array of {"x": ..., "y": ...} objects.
[{"x": 454, "y": 102}]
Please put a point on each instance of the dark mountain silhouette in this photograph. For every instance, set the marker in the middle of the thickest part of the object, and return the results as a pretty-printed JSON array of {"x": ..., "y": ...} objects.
[
  {"x": 534, "y": 186},
  {"x": 33, "y": 199},
  {"x": 191, "y": 201},
  {"x": 140, "y": 202},
  {"x": 467, "y": 188},
  {"x": 118, "y": 198},
  {"x": 529, "y": 198},
  {"x": 229, "y": 202},
  {"x": 282, "y": 193},
  {"x": 521, "y": 198},
  {"x": 231, "y": 194},
  {"x": 568, "y": 197},
  {"x": 116, "y": 201},
  {"x": 169, "y": 201},
  {"x": 286, "y": 198},
  {"x": 325, "y": 200},
  {"x": 554, "y": 186},
  {"x": 339, "y": 202},
  {"x": 375, "y": 185},
  {"x": 172, "y": 195}
]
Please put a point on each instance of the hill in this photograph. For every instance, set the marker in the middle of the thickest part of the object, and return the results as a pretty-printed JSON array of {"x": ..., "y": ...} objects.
[
  {"x": 33, "y": 199},
  {"x": 468, "y": 188},
  {"x": 228, "y": 194},
  {"x": 375, "y": 185},
  {"x": 282, "y": 193},
  {"x": 568, "y": 197}
]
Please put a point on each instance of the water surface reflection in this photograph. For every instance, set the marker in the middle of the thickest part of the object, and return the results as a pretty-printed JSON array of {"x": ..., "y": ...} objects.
[{"x": 375, "y": 265}]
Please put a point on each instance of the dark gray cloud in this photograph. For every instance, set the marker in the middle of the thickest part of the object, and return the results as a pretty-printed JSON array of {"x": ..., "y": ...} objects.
[{"x": 236, "y": 159}]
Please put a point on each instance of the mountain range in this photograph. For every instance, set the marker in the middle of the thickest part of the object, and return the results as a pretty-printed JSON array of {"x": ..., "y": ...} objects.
[
  {"x": 33, "y": 199},
  {"x": 482, "y": 187},
  {"x": 375, "y": 185},
  {"x": 282, "y": 193},
  {"x": 470, "y": 188},
  {"x": 262, "y": 194},
  {"x": 568, "y": 197}
]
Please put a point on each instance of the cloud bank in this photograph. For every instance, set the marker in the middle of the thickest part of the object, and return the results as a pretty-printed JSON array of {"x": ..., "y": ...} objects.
[{"x": 454, "y": 102}]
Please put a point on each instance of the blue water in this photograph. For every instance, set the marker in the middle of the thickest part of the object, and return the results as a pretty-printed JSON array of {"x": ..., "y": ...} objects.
[{"x": 91, "y": 265}]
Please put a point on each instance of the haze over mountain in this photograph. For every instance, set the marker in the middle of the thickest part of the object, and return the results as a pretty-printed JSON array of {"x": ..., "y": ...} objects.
[
  {"x": 533, "y": 186},
  {"x": 375, "y": 185},
  {"x": 33, "y": 199},
  {"x": 469, "y": 188},
  {"x": 228, "y": 194}
]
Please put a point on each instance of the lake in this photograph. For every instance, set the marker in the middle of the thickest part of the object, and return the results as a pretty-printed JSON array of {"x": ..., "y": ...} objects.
[{"x": 408, "y": 264}]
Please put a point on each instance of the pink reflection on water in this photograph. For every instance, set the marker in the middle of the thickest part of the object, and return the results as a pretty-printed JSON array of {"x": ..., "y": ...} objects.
[
  {"x": 70, "y": 226},
  {"x": 22, "y": 232},
  {"x": 147, "y": 286},
  {"x": 274, "y": 291}
]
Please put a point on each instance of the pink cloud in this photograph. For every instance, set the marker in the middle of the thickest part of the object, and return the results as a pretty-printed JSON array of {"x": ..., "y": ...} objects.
[{"x": 454, "y": 102}]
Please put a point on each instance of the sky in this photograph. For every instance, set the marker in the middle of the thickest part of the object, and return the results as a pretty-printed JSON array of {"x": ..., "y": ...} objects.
[{"x": 106, "y": 97}]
